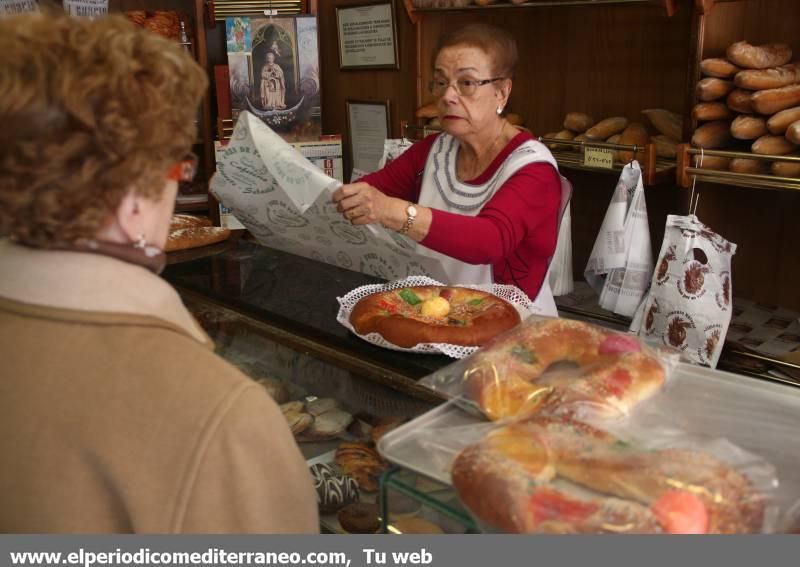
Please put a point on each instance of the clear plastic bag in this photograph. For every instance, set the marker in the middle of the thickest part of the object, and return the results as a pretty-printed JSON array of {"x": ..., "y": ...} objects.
[
  {"x": 556, "y": 474},
  {"x": 555, "y": 365}
]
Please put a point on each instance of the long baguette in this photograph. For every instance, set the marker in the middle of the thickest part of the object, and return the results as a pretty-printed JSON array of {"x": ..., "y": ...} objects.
[
  {"x": 744, "y": 165},
  {"x": 666, "y": 122},
  {"x": 184, "y": 238},
  {"x": 607, "y": 128},
  {"x": 762, "y": 79},
  {"x": 764, "y": 56},
  {"x": 775, "y": 100}
]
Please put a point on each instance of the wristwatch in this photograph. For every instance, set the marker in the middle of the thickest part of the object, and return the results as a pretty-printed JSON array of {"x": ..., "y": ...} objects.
[{"x": 411, "y": 215}]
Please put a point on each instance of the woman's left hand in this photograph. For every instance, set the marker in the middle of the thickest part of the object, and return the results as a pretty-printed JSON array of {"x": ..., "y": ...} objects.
[{"x": 361, "y": 203}]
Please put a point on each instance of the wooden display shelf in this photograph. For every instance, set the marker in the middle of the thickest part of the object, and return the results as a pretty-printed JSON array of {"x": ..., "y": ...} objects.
[{"x": 687, "y": 171}]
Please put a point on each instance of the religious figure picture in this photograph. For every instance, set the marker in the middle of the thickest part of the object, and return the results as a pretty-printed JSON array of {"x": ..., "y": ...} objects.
[{"x": 283, "y": 74}]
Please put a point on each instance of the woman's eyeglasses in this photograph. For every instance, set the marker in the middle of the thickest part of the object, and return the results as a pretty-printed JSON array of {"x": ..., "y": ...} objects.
[
  {"x": 464, "y": 87},
  {"x": 184, "y": 170}
]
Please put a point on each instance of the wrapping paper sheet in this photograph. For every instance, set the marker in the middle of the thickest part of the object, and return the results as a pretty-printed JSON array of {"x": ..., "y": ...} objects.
[
  {"x": 621, "y": 263},
  {"x": 285, "y": 203}
]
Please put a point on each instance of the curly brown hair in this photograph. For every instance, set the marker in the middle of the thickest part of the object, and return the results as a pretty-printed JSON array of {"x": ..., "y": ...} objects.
[
  {"x": 90, "y": 110},
  {"x": 497, "y": 43}
]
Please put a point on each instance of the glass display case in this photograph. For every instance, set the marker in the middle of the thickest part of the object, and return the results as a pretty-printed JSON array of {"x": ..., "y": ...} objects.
[{"x": 273, "y": 315}]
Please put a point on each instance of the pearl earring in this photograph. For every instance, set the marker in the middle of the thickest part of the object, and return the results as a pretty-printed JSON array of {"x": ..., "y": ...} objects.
[
  {"x": 499, "y": 110},
  {"x": 140, "y": 241}
]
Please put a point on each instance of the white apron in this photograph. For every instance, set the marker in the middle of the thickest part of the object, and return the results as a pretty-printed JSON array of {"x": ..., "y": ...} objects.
[{"x": 442, "y": 190}]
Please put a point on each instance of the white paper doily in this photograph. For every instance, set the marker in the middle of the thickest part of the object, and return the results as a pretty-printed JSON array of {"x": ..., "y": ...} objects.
[{"x": 510, "y": 293}]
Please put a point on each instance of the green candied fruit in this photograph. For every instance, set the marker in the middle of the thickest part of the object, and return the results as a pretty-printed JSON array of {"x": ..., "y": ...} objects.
[
  {"x": 410, "y": 297},
  {"x": 524, "y": 354}
]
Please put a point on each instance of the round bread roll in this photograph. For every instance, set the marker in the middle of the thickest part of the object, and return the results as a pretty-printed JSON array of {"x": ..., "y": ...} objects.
[
  {"x": 708, "y": 111},
  {"x": 793, "y": 132},
  {"x": 778, "y": 123},
  {"x": 786, "y": 168},
  {"x": 712, "y": 135},
  {"x": 740, "y": 100},
  {"x": 773, "y": 145},
  {"x": 578, "y": 122},
  {"x": 716, "y": 163},
  {"x": 748, "y": 127},
  {"x": 562, "y": 135},
  {"x": 713, "y": 89},
  {"x": 752, "y": 166},
  {"x": 718, "y": 67},
  {"x": 665, "y": 147},
  {"x": 359, "y": 518}
]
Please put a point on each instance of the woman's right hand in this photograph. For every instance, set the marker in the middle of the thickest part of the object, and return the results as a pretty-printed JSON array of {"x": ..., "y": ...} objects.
[{"x": 361, "y": 203}]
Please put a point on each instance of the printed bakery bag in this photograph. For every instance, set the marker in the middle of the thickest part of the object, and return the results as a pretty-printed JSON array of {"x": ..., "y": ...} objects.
[
  {"x": 555, "y": 365},
  {"x": 557, "y": 474},
  {"x": 688, "y": 305}
]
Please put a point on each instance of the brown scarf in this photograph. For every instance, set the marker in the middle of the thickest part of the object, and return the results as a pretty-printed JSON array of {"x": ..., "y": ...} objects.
[{"x": 149, "y": 257}]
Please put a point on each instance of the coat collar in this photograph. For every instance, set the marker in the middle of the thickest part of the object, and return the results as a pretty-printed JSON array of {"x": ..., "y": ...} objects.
[{"x": 90, "y": 282}]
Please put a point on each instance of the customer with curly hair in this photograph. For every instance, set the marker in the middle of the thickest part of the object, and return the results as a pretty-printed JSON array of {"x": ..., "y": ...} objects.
[{"x": 115, "y": 414}]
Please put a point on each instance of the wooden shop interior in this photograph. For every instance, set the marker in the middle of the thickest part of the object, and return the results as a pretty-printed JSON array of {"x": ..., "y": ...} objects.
[{"x": 605, "y": 58}]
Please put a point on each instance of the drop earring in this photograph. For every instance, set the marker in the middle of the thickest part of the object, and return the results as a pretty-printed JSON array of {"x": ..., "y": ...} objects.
[{"x": 499, "y": 110}]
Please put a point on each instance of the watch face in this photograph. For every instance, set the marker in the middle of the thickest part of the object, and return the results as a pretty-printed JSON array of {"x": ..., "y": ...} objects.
[{"x": 411, "y": 210}]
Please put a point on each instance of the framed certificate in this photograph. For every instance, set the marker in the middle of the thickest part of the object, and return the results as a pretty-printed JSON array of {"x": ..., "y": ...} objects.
[
  {"x": 367, "y": 130},
  {"x": 367, "y": 36}
]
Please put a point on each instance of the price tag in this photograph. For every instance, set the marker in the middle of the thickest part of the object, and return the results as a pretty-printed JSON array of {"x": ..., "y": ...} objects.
[
  {"x": 86, "y": 8},
  {"x": 11, "y": 7},
  {"x": 598, "y": 157}
]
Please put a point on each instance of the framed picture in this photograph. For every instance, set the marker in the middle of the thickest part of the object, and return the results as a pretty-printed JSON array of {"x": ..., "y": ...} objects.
[
  {"x": 367, "y": 130},
  {"x": 367, "y": 36},
  {"x": 273, "y": 66}
]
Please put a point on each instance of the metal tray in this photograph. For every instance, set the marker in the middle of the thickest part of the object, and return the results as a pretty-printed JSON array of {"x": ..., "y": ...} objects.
[{"x": 760, "y": 417}]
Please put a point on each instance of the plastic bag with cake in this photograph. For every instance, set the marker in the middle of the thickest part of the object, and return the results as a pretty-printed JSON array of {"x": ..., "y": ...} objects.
[
  {"x": 557, "y": 474},
  {"x": 688, "y": 305},
  {"x": 547, "y": 364}
]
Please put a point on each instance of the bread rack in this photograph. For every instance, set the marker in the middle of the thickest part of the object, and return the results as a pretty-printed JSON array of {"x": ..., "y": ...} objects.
[
  {"x": 757, "y": 181},
  {"x": 670, "y": 5},
  {"x": 656, "y": 170}
]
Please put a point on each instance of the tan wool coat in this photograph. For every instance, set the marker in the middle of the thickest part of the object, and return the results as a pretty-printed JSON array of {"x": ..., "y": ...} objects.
[{"x": 117, "y": 416}]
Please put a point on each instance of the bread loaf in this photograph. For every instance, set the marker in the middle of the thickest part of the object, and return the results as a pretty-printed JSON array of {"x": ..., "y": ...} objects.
[
  {"x": 712, "y": 89},
  {"x": 607, "y": 128},
  {"x": 716, "y": 163},
  {"x": 778, "y": 123},
  {"x": 615, "y": 140},
  {"x": 775, "y": 100},
  {"x": 718, "y": 67},
  {"x": 188, "y": 221},
  {"x": 635, "y": 134},
  {"x": 772, "y": 145},
  {"x": 562, "y": 135},
  {"x": 764, "y": 56},
  {"x": 793, "y": 132},
  {"x": 578, "y": 122},
  {"x": 712, "y": 135},
  {"x": 667, "y": 123},
  {"x": 429, "y": 110},
  {"x": 746, "y": 127},
  {"x": 706, "y": 111},
  {"x": 185, "y": 238},
  {"x": 786, "y": 168},
  {"x": 763, "y": 79},
  {"x": 744, "y": 165},
  {"x": 515, "y": 119},
  {"x": 582, "y": 138},
  {"x": 740, "y": 100},
  {"x": 665, "y": 147}
]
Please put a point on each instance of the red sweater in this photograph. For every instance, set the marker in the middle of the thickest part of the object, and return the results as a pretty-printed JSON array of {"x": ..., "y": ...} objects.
[{"x": 515, "y": 232}]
